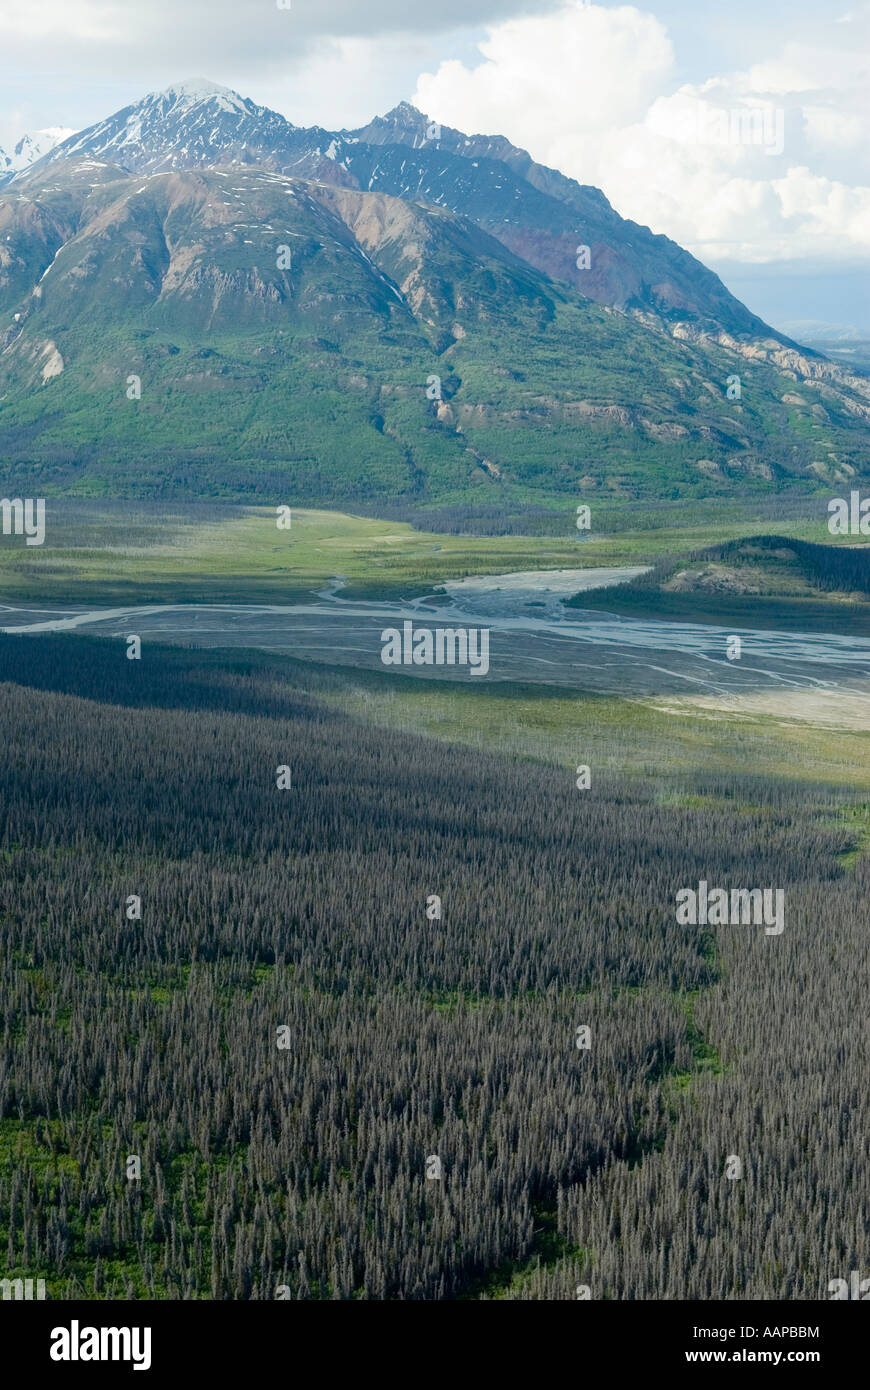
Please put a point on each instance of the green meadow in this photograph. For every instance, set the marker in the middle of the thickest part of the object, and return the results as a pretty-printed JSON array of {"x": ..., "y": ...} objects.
[{"x": 125, "y": 553}]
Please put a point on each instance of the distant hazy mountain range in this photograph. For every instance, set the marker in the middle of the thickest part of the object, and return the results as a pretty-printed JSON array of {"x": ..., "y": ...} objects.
[
  {"x": 29, "y": 148},
  {"x": 198, "y": 297}
]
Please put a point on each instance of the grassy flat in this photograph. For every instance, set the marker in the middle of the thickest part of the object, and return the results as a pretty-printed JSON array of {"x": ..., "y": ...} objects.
[{"x": 119, "y": 553}]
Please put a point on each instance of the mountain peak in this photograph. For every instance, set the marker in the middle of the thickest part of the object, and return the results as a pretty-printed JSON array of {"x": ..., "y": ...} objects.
[
  {"x": 195, "y": 90},
  {"x": 404, "y": 124},
  {"x": 405, "y": 113},
  {"x": 187, "y": 125},
  {"x": 537, "y": 213}
]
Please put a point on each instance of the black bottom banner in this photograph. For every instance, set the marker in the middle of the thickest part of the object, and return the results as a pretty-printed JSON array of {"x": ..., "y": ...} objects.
[{"x": 83, "y": 1339}]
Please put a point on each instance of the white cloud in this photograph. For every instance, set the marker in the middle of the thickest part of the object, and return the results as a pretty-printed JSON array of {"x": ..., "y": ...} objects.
[
  {"x": 96, "y": 21},
  {"x": 344, "y": 82},
  {"x": 256, "y": 32},
  {"x": 327, "y": 62},
  {"x": 598, "y": 92},
  {"x": 571, "y": 74},
  {"x": 809, "y": 68},
  {"x": 760, "y": 165}
]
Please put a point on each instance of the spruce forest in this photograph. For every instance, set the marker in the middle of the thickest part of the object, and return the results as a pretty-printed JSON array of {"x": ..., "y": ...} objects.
[{"x": 285, "y": 1040}]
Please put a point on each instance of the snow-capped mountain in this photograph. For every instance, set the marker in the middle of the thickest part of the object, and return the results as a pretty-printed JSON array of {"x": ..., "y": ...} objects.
[
  {"x": 31, "y": 147},
  {"x": 537, "y": 213},
  {"x": 205, "y": 243},
  {"x": 197, "y": 124}
]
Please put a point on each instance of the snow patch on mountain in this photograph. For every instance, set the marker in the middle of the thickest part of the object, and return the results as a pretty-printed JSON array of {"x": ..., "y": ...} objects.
[
  {"x": 188, "y": 124},
  {"x": 32, "y": 146}
]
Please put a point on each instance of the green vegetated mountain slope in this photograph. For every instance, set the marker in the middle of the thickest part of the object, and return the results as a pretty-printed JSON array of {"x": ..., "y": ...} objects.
[{"x": 313, "y": 380}]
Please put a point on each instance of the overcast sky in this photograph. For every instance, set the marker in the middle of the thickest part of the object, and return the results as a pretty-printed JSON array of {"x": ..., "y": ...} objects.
[{"x": 641, "y": 100}]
